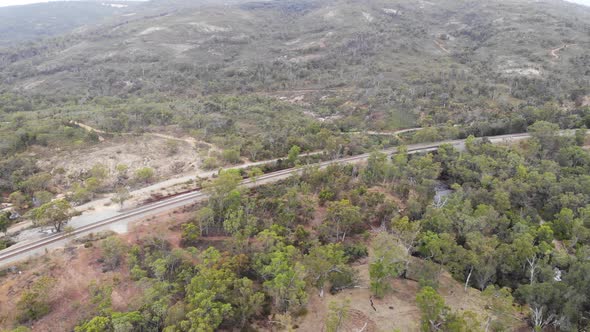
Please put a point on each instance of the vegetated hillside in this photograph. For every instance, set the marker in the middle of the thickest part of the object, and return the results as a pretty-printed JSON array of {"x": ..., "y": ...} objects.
[
  {"x": 36, "y": 21},
  {"x": 394, "y": 60}
]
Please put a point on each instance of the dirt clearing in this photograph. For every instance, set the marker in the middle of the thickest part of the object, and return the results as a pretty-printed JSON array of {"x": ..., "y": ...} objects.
[
  {"x": 166, "y": 156},
  {"x": 397, "y": 310}
]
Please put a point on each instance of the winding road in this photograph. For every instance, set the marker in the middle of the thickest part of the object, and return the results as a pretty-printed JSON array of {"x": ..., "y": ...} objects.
[{"x": 24, "y": 250}]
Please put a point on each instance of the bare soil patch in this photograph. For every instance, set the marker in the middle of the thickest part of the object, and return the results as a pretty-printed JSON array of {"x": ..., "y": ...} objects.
[
  {"x": 397, "y": 310},
  {"x": 166, "y": 158}
]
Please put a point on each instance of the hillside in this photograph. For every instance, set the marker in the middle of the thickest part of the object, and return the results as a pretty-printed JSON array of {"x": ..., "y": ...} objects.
[
  {"x": 19, "y": 24},
  {"x": 450, "y": 60}
]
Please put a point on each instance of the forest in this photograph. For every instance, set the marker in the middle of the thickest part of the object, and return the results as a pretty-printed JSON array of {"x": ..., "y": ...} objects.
[{"x": 515, "y": 225}]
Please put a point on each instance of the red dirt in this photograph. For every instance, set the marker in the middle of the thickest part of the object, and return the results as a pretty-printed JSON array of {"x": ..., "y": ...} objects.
[{"x": 74, "y": 269}]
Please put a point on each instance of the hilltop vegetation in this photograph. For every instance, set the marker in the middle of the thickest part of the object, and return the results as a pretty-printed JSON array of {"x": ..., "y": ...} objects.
[
  {"x": 460, "y": 61},
  {"x": 30, "y": 23},
  {"x": 214, "y": 72}
]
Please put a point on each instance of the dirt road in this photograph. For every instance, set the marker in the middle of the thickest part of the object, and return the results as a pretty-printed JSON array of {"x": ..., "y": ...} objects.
[{"x": 555, "y": 52}]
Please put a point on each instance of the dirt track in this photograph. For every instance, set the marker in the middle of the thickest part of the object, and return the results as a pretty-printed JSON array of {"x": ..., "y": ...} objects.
[
  {"x": 555, "y": 52},
  {"x": 441, "y": 46}
]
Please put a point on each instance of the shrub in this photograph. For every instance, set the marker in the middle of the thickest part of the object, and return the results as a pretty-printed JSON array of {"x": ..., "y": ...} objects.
[
  {"x": 144, "y": 174},
  {"x": 34, "y": 303},
  {"x": 113, "y": 250},
  {"x": 231, "y": 156},
  {"x": 355, "y": 252}
]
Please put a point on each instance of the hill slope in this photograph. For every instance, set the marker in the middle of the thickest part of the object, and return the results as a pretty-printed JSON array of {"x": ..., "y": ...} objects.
[
  {"x": 443, "y": 60},
  {"x": 42, "y": 20}
]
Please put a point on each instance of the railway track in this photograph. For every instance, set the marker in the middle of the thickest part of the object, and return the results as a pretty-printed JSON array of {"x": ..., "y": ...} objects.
[{"x": 196, "y": 196}]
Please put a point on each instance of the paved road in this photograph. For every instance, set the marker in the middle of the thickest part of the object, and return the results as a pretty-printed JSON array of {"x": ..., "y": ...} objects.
[{"x": 98, "y": 222}]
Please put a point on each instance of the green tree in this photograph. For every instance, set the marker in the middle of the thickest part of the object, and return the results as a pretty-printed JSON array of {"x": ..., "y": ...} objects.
[
  {"x": 99, "y": 171},
  {"x": 101, "y": 296},
  {"x": 4, "y": 222},
  {"x": 205, "y": 218},
  {"x": 376, "y": 169},
  {"x": 240, "y": 221},
  {"x": 207, "y": 300},
  {"x": 285, "y": 279},
  {"x": 486, "y": 260},
  {"x": 254, "y": 173},
  {"x": 43, "y": 197},
  {"x": 337, "y": 315},
  {"x": 113, "y": 251},
  {"x": 127, "y": 321},
  {"x": 35, "y": 183},
  {"x": 93, "y": 184},
  {"x": 96, "y": 324},
  {"x": 121, "y": 196},
  {"x": 546, "y": 301},
  {"x": 80, "y": 194},
  {"x": 545, "y": 135},
  {"x": 122, "y": 170},
  {"x": 293, "y": 156},
  {"x": 246, "y": 300},
  {"x": 341, "y": 218},
  {"x": 523, "y": 248},
  {"x": 224, "y": 192},
  {"x": 577, "y": 307},
  {"x": 406, "y": 232},
  {"x": 19, "y": 200},
  {"x": 441, "y": 248},
  {"x": 387, "y": 261},
  {"x": 564, "y": 224},
  {"x": 254, "y": 149},
  {"x": 56, "y": 214},
  {"x": 231, "y": 156},
  {"x": 432, "y": 306},
  {"x": 580, "y": 136},
  {"x": 323, "y": 261},
  {"x": 500, "y": 302}
]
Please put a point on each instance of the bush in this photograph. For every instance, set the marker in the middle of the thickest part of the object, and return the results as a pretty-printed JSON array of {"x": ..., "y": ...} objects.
[
  {"x": 210, "y": 163},
  {"x": 326, "y": 195},
  {"x": 5, "y": 243},
  {"x": 113, "y": 250},
  {"x": 34, "y": 303},
  {"x": 355, "y": 252},
  {"x": 347, "y": 278},
  {"x": 144, "y": 174},
  {"x": 231, "y": 156}
]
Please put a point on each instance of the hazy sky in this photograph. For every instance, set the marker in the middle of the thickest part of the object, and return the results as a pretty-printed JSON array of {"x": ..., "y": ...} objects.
[
  {"x": 22, "y": 2},
  {"x": 17, "y": 2}
]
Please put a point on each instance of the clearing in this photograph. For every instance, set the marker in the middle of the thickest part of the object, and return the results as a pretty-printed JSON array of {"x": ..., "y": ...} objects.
[
  {"x": 397, "y": 310},
  {"x": 166, "y": 158}
]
